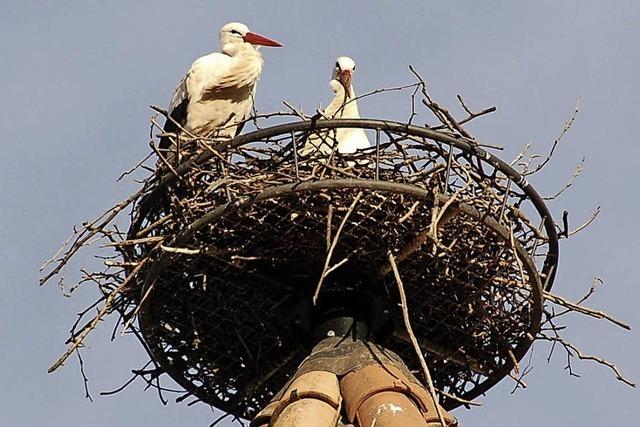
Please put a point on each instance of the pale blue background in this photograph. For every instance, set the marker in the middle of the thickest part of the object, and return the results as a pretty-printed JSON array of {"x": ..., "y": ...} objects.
[{"x": 75, "y": 82}]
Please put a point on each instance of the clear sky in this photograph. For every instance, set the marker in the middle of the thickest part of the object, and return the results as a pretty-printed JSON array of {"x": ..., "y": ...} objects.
[{"x": 76, "y": 79}]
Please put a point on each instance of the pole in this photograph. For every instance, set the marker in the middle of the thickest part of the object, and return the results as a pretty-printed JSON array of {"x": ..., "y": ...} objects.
[{"x": 347, "y": 379}]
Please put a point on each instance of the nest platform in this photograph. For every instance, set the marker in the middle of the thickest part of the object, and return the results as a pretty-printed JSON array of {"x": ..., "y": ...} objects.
[{"x": 232, "y": 238}]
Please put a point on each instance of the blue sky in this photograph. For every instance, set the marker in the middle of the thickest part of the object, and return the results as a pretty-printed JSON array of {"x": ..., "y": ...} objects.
[{"x": 76, "y": 80}]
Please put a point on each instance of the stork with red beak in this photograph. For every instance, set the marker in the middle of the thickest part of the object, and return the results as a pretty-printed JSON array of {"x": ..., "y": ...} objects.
[
  {"x": 343, "y": 105},
  {"x": 216, "y": 95}
]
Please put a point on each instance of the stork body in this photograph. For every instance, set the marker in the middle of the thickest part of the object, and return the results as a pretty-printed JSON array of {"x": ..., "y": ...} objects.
[
  {"x": 217, "y": 93},
  {"x": 343, "y": 106},
  {"x": 349, "y": 139}
]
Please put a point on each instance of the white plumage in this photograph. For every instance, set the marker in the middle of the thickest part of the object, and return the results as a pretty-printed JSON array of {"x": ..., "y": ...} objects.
[
  {"x": 217, "y": 92},
  {"x": 343, "y": 105}
]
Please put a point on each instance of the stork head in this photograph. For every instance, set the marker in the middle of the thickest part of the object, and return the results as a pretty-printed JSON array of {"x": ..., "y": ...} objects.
[
  {"x": 343, "y": 71},
  {"x": 234, "y": 35}
]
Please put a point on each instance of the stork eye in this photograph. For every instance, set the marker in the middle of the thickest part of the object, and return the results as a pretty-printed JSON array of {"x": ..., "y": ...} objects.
[
  {"x": 337, "y": 65},
  {"x": 236, "y": 32}
]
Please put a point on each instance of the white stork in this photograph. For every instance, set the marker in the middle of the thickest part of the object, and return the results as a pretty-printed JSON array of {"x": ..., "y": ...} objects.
[
  {"x": 217, "y": 92},
  {"x": 343, "y": 105}
]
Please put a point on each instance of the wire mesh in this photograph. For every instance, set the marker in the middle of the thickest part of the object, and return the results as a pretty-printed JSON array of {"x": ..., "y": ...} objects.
[{"x": 245, "y": 231}]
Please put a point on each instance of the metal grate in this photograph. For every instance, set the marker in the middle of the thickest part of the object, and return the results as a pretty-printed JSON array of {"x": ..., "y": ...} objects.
[{"x": 245, "y": 238}]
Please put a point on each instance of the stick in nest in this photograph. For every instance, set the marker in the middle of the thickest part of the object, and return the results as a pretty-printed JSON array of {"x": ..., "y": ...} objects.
[
  {"x": 414, "y": 341},
  {"x": 584, "y": 310},
  {"x": 326, "y": 269},
  {"x": 77, "y": 342},
  {"x": 572, "y": 350},
  {"x": 567, "y": 126}
]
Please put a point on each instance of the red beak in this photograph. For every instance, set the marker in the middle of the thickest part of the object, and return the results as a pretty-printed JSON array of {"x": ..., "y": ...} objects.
[
  {"x": 345, "y": 79},
  {"x": 254, "y": 38}
]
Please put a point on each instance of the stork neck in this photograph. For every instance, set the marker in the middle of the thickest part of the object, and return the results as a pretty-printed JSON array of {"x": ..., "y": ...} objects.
[
  {"x": 349, "y": 107},
  {"x": 245, "y": 68}
]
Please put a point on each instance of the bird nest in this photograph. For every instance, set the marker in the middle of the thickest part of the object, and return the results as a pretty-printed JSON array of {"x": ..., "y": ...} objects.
[
  {"x": 235, "y": 238},
  {"x": 227, "y": 238}
]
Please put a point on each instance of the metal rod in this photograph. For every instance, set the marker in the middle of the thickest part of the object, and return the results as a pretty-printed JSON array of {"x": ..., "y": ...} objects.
[
  {"x": 535, "y": 241},
  {"x": 448, "y": 173},
  {"x": 295, "y": 154},
  {"x": 377, "y": 153},
  {"x": 504, "y": 201}
]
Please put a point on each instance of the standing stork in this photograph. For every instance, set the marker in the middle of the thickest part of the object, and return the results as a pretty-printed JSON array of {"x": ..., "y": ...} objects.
[
  {"x": 344, "y": 105},
  {"x": 216, "y": 95}
]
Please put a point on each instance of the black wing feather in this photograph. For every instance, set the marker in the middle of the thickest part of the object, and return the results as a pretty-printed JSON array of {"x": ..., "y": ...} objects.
[{"x": 177, "y": 113}]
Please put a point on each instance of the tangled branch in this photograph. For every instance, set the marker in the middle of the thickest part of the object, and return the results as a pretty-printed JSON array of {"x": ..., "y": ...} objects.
[{"x": 201, "y": 222}]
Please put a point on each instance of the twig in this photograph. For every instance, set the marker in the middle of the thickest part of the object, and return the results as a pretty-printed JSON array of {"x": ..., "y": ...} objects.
[
  {"x": 445, "y": 117},
  {"x": 164, "y": 160},
  {"x": 326, "y": 269},
  {"x": 575, "y": 174},
  {"x": 105, "y": 309},
  {"x": 521, "y": 154},
  {"x": 382, "y": 90},
  {"x": 329, "y": 221},
  {"x": 573, "y": 350},
  {"x": 84, "y": 377},
  {"x": 438, "y": 213},
  {"x": 514, "y": 362},
  {"x": 131, "y": 242},
  {"x": 51, "y": 260},
  {"x": 167, "y": 116},
  {"x": 518, "y": 380},
  {"x": 586, "y": 224},
  {"x": 184, "y": 251},
  {"x": 414, "y": 341},
  {"x": 295, "y": 111},
  {"x": 127, "y": 172},
  {"x": 567, "y": 126},
  {"x": 336, "y": 266},
  {"x": 129, "y": 381},
  {"x": 88, "y": 232},
  {"x": 594, "y": 284},
  {"x": 412, "y": 209},
  {"x": 219, "y": 419},
  {"x": 458, "y": 399},
  {"x": 473, "y": 115},
  {"x": 526, "y": 371},
  {"x": 584, "y": 310},
  {"x": 132, "y": 318}
]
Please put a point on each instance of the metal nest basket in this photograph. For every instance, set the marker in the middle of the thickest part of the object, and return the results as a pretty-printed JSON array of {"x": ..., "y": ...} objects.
[
  {"x": 227, "y": 238},
  {"x": 256, "y": 227}
]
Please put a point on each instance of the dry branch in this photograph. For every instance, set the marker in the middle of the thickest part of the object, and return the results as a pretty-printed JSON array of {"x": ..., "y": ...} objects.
[
  {"x": 326, "y": 269},
  {"x": 584, "y": 310},
  {"x": 586, "y": 224},
  {"x": 106, "y": 308},
  {"x": 572, "y": 351},
  {"x": 414, "y": 341},
  {"x": 566, "y": 128}
]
